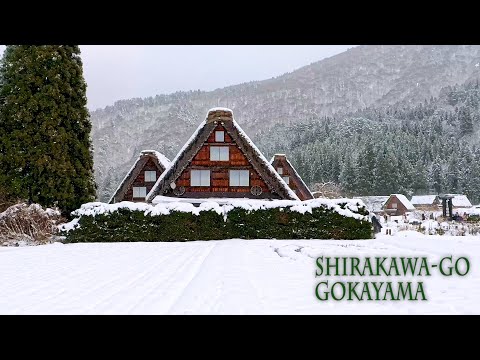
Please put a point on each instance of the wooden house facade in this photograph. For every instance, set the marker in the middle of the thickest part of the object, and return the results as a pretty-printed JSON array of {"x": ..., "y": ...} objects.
[
  {"x": 141, "y": 178},
  {"x": 291, "y": 177},
  {"x": 397, "y": 204},
  {"x": 220, "y": 161}
]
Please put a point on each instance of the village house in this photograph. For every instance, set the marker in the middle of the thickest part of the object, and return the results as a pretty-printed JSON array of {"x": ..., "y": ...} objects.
[
  {"x": 426, "y": 202},
  {"x": 141, "y": 177},
  {"x": 220, "y": 161},
  {"x": 433, "y": 202},
  {"x": 374, "y": 204},
  {"x": 397, "y": 205},
  {"x": 460, "y": 201},
  {"x": 288, "y": 173}
]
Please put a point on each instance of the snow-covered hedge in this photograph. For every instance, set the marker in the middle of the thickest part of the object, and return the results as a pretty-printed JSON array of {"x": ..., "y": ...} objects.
[
  {"x": 23, "y": 224},
  {"x": 175, "y": 221}
]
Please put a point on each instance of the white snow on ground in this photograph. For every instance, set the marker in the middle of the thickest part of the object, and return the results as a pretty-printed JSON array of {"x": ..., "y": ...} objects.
[{"x": 220, "y": 277}]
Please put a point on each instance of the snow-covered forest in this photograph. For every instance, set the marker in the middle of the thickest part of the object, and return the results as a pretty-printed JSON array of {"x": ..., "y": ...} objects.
[
  {"x": 371, "y": 95},
  {"x": 433, "y": 147}
]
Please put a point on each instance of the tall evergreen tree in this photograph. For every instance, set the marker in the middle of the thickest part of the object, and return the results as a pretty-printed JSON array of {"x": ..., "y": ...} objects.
[
  {"x": 420, "y": 178},
  {"x": 366, "y": 169},
  {"x": 473, "y": 183},
  {"x": 452, "y": 180},
  {"x": 436, "y": 176},
  {"x": 348, "y": 175},
  {"x": 387, "y": 174},
  {"x": 46, "y": 151},
  {"x": 465, "y": 120}
]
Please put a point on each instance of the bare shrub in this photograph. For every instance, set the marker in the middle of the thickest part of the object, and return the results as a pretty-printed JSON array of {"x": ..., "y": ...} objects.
[
  {"x": 329, "y": 190},
  {"x": 28, "y": 224},
  {"x": 474, "y": 229}
]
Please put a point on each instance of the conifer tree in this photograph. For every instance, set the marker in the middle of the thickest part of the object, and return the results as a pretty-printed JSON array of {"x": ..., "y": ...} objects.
[
  {"x": 347, "y": 176},
  {"x": 386, "y": 170},
  {"x": 366, "y": 169},
  {"x": 466, "y": 122},
  {"x": 46, "y": 151},
  {"x": 420, "y": 178},
  {"x": 436, "y": 176}
]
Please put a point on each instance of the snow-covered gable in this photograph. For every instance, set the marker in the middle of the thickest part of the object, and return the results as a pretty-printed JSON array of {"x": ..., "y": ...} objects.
[
  {"x": 161, "y": 160},
  {"x": 298, "y": 178},
  {"x": 403, "y": 199},
  {"x": 177, "y": 167}
]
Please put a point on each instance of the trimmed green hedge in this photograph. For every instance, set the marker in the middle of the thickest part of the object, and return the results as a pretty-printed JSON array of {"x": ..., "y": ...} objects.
[{"x": 126, "y": 225}]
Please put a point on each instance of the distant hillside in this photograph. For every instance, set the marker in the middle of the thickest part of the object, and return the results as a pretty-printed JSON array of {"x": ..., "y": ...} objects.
[
  {"x": 429, "y": 148},
  {"x": 365, "y": 76}
]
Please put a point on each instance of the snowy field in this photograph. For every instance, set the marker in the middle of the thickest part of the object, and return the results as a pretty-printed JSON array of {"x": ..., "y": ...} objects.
[{"x": 219, "y": 277}]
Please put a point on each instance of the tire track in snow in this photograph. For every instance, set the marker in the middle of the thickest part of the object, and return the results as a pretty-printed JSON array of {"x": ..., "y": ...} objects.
[
  {"x": 163, "y": 292},
  {"x": 220, "y": 285}
]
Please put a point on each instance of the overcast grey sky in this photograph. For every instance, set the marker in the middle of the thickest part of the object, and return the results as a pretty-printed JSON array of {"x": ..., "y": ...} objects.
[{"x": 115, "y": 72}]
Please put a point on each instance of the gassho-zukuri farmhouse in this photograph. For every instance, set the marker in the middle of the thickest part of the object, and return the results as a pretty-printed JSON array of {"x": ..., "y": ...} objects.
[{"x": 219, "y": 161}]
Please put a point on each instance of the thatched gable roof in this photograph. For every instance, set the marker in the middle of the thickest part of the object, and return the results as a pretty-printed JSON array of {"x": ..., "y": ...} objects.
[
  {"x": 196, "y": 142},
  {"x": 302, "y": 187},
  {"x": 160, "y": 160}
]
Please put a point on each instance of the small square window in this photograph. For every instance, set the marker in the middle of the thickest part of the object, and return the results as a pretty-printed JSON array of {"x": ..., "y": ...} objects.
[
  {"x": 286, "y": 179},
  {"x": 280, "y": 171},
  {"x": 394, "y": 205},
  {"x": 150, "y": 176},
  {"x": 219, "y": 153},
  {"x": 219, "y": 136},
  {"x": 139, "y": 192}
]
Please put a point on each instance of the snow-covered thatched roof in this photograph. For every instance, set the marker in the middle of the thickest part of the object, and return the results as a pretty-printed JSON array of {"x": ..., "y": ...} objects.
[
  {"x": 423, "y": 199},
  {"x": 460, "y": 200},
  {"x": 160, "y": 160},
  {"x": 403, "y": 199},
  {"x": 295, "y": 177},
  {"x": 273, "y": 180}
]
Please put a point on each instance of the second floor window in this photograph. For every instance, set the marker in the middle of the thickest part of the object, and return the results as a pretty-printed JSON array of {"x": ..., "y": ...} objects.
[
  {"x": 150, "y": 176},
  {"x": 219, "y": 153}
]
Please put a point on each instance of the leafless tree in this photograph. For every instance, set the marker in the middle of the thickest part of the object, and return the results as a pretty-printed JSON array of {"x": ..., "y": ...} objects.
[{"x": 329, "y": 190}]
